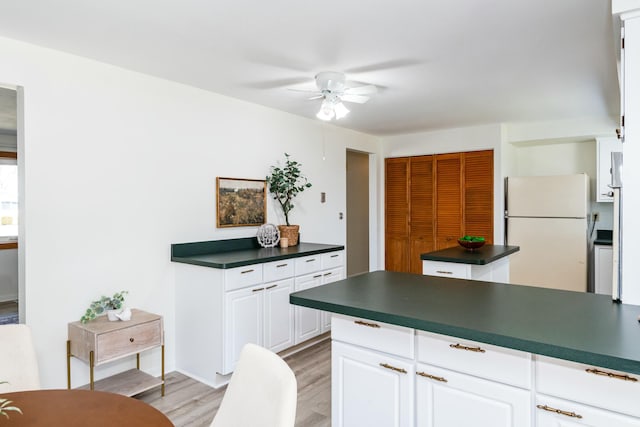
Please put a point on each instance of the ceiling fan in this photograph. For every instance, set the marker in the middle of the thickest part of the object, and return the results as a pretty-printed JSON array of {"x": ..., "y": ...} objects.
[{"x": 334, "y": 89}]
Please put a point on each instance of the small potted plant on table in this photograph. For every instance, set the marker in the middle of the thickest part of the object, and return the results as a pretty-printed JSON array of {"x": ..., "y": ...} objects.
[
  {"x": 285, "y": 184},
  {"x": 109, "y": 305}
]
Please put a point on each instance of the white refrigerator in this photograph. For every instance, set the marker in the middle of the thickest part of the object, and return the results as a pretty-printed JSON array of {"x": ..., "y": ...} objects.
[{"x": 547, "y": 216}]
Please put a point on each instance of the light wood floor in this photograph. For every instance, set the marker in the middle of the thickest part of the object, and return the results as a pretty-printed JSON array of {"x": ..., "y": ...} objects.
[{"x": 189, "y": 403}]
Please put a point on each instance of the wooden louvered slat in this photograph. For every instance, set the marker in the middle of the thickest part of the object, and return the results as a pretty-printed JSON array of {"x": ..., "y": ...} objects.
[
  {"x": 397, "y": 214},
  {"x": 449, "y": 202},
  {"x": 421, "y": 211},
  {"x": 478, "y": 194}
]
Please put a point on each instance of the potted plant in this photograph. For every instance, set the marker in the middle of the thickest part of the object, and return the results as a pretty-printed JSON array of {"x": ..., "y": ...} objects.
[
  {"x": 5, "y": 405},
  {"x": 109, "y": 305},
  {"x": 285, "y": 184}
]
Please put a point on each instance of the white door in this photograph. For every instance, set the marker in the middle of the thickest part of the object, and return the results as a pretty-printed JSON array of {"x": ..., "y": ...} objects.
[
  {"x": 366, "y": 393},
  {"x": 553, "y": 252},
  {"x": 448, "y": 399},
  {"x": 307, "y": 320},
  {"x": 552, "y": 412},
  {"x": 278, "y": 316},
  {"x": 330, "y": 276},
  {"x": 243, "y": 323}
]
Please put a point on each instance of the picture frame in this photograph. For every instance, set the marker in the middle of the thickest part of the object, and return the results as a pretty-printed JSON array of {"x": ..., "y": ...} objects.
[{"x": 241, "y": 202}]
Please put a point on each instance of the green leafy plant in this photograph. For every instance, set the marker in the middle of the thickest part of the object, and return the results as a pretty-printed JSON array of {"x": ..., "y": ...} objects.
[
  {"x": 100, "y": 306},
  {"x": 286, "y": 183},
  {"x": 472, "y": 239},
  {"x": 4, "y": 405}
]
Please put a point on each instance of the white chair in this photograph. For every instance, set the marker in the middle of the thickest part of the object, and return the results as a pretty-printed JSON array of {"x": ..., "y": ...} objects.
[
  {"x": 262, "y": 392},
  {"x": 18, "y": 363}
]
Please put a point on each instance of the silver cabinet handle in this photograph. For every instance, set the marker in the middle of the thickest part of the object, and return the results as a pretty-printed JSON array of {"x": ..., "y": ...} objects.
[
  {"x": 444, "y": 272},
  {"x": 271, "y": 287},
  {"x": 317, "y": 275},
  {"x": 558, "y": 411},
  {"x": 310, "y": 260},
  {"x": 328, "y": 274},
  {"x": 281, "y": 265},
  {"x": 257, "y": 290},
  {"x": 247, "y": 271},
  {"x": 335, "y": 256}
]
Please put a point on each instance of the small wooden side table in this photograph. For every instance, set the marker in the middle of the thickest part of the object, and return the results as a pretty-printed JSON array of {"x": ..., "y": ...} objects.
[{"x": 100, "y": 341}]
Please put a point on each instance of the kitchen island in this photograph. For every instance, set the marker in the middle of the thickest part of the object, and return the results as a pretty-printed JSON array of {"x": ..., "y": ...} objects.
[
  {"x": 489, "y": 263},
  {"x": 425, "y": 350}
]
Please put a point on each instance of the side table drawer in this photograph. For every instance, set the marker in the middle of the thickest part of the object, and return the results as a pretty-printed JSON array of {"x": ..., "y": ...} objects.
[{"x": 123, "y": 342}]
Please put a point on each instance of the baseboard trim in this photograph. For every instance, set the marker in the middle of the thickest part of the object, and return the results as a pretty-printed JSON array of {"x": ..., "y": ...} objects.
[{"x": 304, "y": 345}]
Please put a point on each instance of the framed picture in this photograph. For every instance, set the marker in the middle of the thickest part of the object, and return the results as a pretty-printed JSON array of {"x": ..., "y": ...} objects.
[{"x": 241, "y": 202}]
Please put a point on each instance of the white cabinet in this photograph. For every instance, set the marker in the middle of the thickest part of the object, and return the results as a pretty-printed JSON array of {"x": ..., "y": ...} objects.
[
  {"x": 553, "y": 412},
  {"x": 497, "y": 271},
  {"x": 449, "y": 399},
  {"x": 219, "y": 310},
  {"x": 606, "y": 146},
  {"x": 329, "y": 276},
  {"x": 370, "y": 388},
  {"x": 603, "y": 271}
]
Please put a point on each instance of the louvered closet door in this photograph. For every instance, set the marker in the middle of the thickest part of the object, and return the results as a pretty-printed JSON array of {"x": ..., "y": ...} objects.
[
  {"x": 478, "y": 194},
  {"x": 449, "y": 202},
  {"x": 421, "y": 215},
  {"x": 397, "y": 214}
]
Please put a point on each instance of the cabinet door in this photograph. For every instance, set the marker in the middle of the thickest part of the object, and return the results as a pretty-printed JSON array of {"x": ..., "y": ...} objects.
[
  {"x": 449, "y": 399},
  {"x": 330, "y": 276},
  {"x": 449, "y": 226},
  {"x": 307, "y": 320},
  {"x": 603, "y": 269},
  {"x": 278, "y": 316},
  {"x": 478, "y": 194},
  {"x": 553, "y": 412},
  {"x": 421, "y": 210},
  {"x": 396, "y": 206},
  {"x": 366, "y": 393},
  {"x": 243, "y": 323}
]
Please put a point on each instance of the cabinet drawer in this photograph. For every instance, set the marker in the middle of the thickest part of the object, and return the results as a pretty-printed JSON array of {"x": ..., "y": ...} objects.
[
  {"x": 307, "y": 264},
  {"x": 375, "y": 335},
  {"x": 241, "y": 277},
  {"x": 278, "y": 270},
  {"x": 445, "y": 269},
  {"x": 123, "y": 342},
  {"x": 483, "y": 360},
  {"x": 589, "y": 384},
  {"x": 547, "y": 411},
  {"x": 332, "y": 260}
]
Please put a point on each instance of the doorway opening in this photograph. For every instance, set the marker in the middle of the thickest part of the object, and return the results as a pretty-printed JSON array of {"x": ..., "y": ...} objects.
[{"x": 358, "y": 211}]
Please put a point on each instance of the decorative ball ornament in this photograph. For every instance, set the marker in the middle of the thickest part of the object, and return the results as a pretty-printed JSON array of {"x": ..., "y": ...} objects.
[{"x": 268, "y": 235}]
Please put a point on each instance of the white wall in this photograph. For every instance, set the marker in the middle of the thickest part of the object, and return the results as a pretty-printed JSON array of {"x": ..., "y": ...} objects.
[
  {"x": 449, "y": 141},
  {"x": 119, "y": 165},
  {"x": 8, "y": 274}
]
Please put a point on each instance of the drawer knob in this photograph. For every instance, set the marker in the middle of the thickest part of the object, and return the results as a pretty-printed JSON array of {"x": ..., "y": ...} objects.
[
  {"x": 131, "y": 339},
  {"x": 393, "y": 368},
  {"x": 433, "y": 377},
  {"x": 559, "y": 411},
  {"x": 611, "y": 375},
  {"x": 369, "y": 324},
  {"x": 464, "y": 347}
]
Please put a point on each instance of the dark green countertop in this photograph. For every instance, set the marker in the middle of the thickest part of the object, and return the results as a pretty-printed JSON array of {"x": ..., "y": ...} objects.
[
  {"x": 241, "y": 257},
  {"x": 480, "y": 256},
  {"x": 581, "y": 327}
]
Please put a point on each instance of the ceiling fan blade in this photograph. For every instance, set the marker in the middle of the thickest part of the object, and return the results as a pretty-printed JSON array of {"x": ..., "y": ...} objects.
[
  {"x": 316, "y": 97},
  {"x": 361, "y": 90},
  {"x": 315, "y": 91},
  {"x": 385, "y": 65},
  {"x": 358, "y": 99},
  {"x": 272, "y": 84}
]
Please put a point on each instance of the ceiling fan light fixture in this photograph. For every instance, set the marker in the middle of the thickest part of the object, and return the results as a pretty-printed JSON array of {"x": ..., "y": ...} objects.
[
  {"x": 326, "y": 112},
  {"x": 340, "y": 110}
]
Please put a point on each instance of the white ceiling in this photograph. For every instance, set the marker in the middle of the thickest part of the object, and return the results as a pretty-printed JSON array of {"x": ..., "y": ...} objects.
[{"x": 439, "y": 64}]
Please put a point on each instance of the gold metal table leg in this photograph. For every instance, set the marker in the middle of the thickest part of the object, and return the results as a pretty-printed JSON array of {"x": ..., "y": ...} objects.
[
  {"x": 68, "y": 364},
  {"x": 162, "y": 370},
  {"x": 138, "y": 361},
  {"x": 91, "y": 361}
]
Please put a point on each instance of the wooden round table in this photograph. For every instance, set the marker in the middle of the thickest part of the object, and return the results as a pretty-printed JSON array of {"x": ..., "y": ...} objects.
[{"x": 81, "y": 408}]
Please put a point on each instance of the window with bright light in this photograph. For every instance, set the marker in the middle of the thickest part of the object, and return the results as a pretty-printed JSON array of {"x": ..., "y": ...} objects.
[{"x": 8, "y": 198}]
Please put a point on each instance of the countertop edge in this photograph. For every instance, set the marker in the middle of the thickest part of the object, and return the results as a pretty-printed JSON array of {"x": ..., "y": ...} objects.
[
  {"x": 227, "y": 265},
  {"x": 484, "y": 261}
]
